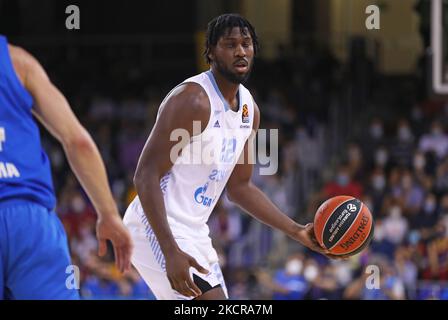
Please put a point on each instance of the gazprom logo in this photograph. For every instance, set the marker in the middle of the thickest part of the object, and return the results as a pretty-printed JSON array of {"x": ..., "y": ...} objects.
[{"x": 199, "y": 196}]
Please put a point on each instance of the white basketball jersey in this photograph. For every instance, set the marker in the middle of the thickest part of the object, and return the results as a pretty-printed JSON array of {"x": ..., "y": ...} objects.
[{"x": 198, "y": 177}]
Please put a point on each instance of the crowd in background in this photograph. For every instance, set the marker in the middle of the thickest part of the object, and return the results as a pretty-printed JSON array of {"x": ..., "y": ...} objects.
[{"x": 395, "y": 159}]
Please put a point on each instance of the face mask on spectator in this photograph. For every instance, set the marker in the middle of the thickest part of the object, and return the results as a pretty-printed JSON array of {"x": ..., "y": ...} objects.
[
  {"x": 381, "y": 157},
  {"x": 414, "y": 237},
  {"x": 294, "y": 266},
  {"x": 378, "y": 235},
  {"x": 343, "y": 273},
  {"x": 343, "y": 179},
  {"x": 379, "y": 182},
  {"x": 310, "y": 272},
  {"x": 85, "y": 231},
  {"x": 78, "y": 204},
  {"x": 430, "y": 206},
  {"x": 376, "y": 131},
  {"x": 395, "y": 212},
  {"x": 404, "y": 133},
  {"x": 419, "y": 162}
]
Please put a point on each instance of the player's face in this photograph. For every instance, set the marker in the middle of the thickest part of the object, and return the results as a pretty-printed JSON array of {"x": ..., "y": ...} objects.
[{"x": 233, "y": 55}]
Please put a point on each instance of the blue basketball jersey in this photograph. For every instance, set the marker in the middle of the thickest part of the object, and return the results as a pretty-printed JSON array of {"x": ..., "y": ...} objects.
[{"x": 24, "y": 166}]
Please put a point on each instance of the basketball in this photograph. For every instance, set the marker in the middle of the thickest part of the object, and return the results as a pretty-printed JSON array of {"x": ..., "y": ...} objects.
[{"x": 343, "y": 225}]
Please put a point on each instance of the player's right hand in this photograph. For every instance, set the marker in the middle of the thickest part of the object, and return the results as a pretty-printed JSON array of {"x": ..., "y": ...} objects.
[
  {"x": 111, "y": 228},
  {"x": 178, "y": 265},
  {"x": 307, "y": 238}
]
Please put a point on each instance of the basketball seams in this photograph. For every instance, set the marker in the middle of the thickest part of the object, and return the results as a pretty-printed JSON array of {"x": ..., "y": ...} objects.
[
  {"x": 366, "y": 241},
  {"x": 329, "y": 216}
]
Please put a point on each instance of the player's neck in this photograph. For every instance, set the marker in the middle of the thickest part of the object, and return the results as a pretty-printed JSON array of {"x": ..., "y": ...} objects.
[{"x": 228, "y": 89}]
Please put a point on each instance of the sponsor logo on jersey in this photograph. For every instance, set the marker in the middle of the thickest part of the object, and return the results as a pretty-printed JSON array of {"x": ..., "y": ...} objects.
[
  {"x": 8, "y": 170},
  {"x": 199, "y": 196},
  {"x": 216, "y": 125},
  {"x": 245, "y": 114},
  {"x": 216, "y": 175}
]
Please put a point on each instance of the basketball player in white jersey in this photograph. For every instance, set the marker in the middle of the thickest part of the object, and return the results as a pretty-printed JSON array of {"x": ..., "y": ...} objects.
[{"x": 167, "y": 220}]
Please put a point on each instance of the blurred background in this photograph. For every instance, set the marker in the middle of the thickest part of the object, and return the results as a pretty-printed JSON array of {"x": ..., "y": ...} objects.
[{"x": 358, "y": 112}]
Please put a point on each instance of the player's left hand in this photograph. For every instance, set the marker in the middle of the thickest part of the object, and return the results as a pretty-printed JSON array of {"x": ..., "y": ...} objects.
[
  {"x": 306, "y": 236},
  {"x": 111, "y": 228}
]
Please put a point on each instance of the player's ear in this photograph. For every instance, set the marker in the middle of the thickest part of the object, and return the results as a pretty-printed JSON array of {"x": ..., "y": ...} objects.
[{"x": 210, "y": 54}]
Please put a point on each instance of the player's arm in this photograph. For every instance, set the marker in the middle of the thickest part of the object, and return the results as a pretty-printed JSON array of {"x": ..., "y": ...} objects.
[
  {"x": 54, "y": 112},
  {"x": 251, "y": 199},
  {"x": 186, "y": 104}
]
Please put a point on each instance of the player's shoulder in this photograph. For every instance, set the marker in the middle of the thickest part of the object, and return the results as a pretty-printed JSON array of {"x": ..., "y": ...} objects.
[
  {"x": 189, "y": 97},
  {"x": 20, "y": 56},
  {"x": 20, "y": 59},
  {"x": 186, "y": 103},
  {"x": 23, "y": 61},
  {"x": 17, "y": 51}
]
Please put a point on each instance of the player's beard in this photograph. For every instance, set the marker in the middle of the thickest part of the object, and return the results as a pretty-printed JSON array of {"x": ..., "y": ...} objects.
[{"x": 231, "y": 76}]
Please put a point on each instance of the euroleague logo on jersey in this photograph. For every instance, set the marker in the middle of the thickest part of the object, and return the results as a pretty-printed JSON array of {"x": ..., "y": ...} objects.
[{"x": 245, "y": 114}]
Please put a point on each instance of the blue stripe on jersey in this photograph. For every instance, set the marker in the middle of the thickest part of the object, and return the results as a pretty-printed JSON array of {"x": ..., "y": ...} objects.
[
  {"x": 210, "y": 75},
  {"x": 164, "y": 182},
  {"x": 24, "y": 167},
  {"x": 153, "y": 242}
]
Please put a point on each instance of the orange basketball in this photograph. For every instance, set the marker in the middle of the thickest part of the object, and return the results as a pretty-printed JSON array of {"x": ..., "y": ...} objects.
[{"x": 343, "y": 225}]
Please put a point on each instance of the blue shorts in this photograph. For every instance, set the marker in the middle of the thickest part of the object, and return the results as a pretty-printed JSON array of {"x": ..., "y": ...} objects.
[{"x": 34, "y": 255}]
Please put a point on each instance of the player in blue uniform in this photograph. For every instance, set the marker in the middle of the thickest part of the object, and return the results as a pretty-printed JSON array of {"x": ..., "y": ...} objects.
[{"x": 34, "y": 253}]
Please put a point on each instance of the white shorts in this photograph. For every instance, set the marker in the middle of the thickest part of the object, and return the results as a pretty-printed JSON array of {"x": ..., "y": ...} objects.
[{"x": 149, "y": 260}]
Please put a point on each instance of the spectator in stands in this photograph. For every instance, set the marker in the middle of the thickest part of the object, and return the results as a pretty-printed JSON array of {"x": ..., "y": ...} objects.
[
  {"x": 343, "y": 184},
  {"x": 402, "y": 146},
  {"x": 436, "y": 141},
  {"x": 289, "y": 283}
]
